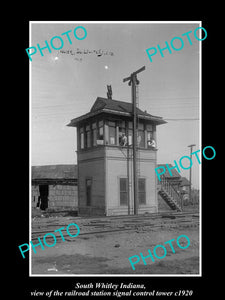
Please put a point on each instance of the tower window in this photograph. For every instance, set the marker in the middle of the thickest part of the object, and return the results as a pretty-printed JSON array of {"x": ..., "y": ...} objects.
[
  {"x": 123, "y": 191},
  {"x": 142, "y": 190},
  {"x": 130, "y": 133},
  {"x": 112, "y": 132},
  {"x": 88, "y": 136},
  {"x": 122, "y": 134},
  {"x": 100, "y": 130},
  {"x": 100, "y": 134},
  {"x": 141, "y": 136},
  {"x": 150, "y": 141},
  {"x": 82, "y": 138},
  {"x": 94, "y": 134}
]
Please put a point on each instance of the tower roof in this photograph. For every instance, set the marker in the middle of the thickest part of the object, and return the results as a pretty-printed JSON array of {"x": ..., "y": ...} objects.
[{"x": 110, "y": 106}]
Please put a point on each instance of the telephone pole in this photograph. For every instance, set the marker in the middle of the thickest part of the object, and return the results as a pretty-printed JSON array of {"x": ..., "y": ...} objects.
[{"x": 133, "y": 81}]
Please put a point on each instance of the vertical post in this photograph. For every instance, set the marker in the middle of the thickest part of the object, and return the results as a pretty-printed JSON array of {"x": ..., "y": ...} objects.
[
  {"x": 133, "y": 81},
  {"x": 133, "y": 94},
  {"x": 128, "y": 181},
  {"x": 128, "y": 169},
  {"x": 190, "y": 180},
  {"x": 190, "y": 199}
]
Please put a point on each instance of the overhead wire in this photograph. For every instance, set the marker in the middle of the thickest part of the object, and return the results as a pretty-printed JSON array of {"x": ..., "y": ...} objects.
[{"x": 173, "y": 107}]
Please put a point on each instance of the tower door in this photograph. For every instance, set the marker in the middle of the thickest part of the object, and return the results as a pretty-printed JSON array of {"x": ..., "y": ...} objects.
[{"x": 88, "y": 191}]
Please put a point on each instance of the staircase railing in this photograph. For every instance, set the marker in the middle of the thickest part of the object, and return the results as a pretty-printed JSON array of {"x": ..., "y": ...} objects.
[{"x": 168, "y": 187}]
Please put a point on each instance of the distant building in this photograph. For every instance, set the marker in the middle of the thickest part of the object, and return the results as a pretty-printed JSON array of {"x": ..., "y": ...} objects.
[
  {"x": 184, "y": 185},
  {"x": 54, "y": 187},
  {"x": 184, "y": 188}
]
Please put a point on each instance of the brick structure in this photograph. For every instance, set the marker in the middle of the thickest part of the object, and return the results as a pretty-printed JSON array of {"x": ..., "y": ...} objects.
[{"x": 58, "y": 183}]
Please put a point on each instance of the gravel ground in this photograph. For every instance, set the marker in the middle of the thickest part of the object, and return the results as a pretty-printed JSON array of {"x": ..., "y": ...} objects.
[{"x": 108, "y": 253}]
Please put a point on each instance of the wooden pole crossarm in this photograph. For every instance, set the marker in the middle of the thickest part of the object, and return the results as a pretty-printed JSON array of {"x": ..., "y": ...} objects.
[
  {"x": 126, "y": 79},
  {"x": 133, "y": 74},
  {"x": 139, "y": 70}
]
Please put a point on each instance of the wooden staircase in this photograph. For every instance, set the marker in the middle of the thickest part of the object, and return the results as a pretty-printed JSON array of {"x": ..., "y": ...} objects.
[{"x": 169, "y": 194}]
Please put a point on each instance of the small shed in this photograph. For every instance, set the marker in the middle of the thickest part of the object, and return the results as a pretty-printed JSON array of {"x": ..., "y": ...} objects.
[
  {"x": 54, "y": 186},
  {"x": 185, "y": 184}
]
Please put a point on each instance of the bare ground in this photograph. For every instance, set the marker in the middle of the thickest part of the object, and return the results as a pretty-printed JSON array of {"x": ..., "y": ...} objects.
[{"x": 108, "y": 253}]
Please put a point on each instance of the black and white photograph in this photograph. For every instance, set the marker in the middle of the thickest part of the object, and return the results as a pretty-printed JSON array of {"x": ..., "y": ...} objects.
[
  {"x": 116, "y": 157},
  {"x": 115, "y": 121}
]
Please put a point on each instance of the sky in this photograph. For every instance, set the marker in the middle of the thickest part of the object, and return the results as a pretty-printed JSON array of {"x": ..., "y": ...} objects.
[{"x": 65, "y": 86}]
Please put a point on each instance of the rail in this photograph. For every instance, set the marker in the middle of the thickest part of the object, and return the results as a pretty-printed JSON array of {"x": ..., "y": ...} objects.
[{"x": 112, "y": 224}]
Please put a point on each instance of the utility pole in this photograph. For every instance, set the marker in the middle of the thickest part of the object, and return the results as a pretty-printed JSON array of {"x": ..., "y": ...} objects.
[
  {"x": 133, "y": 81},
  {"x": 128, "y": 170},
  {"x": 191, "y": 146}
]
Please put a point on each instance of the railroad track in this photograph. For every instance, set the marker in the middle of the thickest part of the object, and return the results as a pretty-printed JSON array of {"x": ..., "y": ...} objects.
[{"x": 103, "y": 225}]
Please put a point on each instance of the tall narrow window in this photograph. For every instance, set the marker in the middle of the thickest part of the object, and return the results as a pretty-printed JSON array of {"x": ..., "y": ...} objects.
[
  {"x": 122, "y": 134},
  {"x": 141, "y": 136},
  {"x": 106, "y": 134},
  {"x": 130, "y": 133},
  {"x": 88, "y": 136},
  {"x": 112, "y": 132},
  {"x": 94, "y": 134},
  {"x": 149, "y": 136},
  {"x": 82, "y": 138},
  {"x": 123, "y": 191},
  {"x": 142, "y": 190},
  {"x": 100, "y": 140},
  {"x": 150, "y": 140}
]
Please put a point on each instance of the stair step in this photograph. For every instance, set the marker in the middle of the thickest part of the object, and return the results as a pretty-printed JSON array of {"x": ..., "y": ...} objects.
[{"x": 169, "y": 200}]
